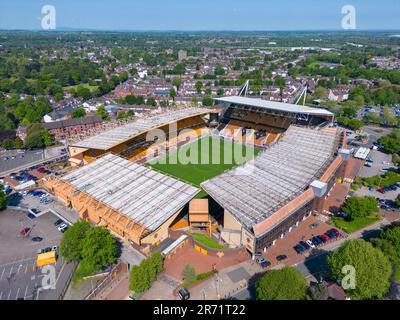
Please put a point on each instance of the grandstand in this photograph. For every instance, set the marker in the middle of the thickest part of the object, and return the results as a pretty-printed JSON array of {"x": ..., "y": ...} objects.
[
  {"x": 137, "y": 203},
  {"x": 130, "y": 140},
  {"x": 265, "y": 197},
  {"x": 262, "y": 122}
]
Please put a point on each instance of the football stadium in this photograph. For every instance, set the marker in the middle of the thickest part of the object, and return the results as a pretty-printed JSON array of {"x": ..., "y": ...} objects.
[{"x": 264, "y": 166}]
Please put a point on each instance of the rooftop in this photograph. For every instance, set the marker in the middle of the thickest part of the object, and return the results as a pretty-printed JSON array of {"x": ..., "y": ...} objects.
[
  {"x": 256, "y": 190},
  {"x": 276, "y": 106},
  {"x": 141, "y": 194},
  {"x": 115, "y": 136}
]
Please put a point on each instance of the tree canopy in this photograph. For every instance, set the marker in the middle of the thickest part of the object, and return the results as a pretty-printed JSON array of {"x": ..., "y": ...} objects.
[
  {"x": 71, "y": 245},
  {"x": 360, "y": 207},
  {"x": 3, "y": 198},
  {"x": 143, "y": 275},
  {"x": 284, "y": 284},
  {"x": 372, "y": 269}
]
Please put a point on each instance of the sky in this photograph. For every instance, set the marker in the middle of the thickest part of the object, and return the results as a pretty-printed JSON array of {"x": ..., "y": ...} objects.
[{"x": 269, "y": 15}]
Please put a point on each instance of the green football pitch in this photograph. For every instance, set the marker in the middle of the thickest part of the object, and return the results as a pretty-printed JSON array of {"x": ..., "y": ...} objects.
[{"x": 203, "y": 159}]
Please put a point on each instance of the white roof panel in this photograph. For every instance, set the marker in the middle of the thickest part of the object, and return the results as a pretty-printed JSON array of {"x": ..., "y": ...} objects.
[{"x": 276, "y": 106}]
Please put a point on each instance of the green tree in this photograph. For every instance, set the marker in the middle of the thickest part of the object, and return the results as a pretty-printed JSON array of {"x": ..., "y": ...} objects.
[
  {"x": 386, "y": 247},
  {"x": 207, "y": 101},
  {"x": 8, "y": 144},
  {"x": 151, "y": 102},
  {"x": 83, "y": 93},
  {"x": 391, "y": 142},
  {"x": 3, "y": 198},
  {"x": 34, "y": 140},
  {"x": 144, "y": 274},
  {"x": 392, "y": 235},
  {"x": 176, "y": 81},
  {"x": 172, "y": 93},
  {"x": 101, "y": 111},
  {"x": 199, "y": 86},
  {"x": 283, "y": 284},
  {"x": 188, "y": 272},
  {"x": 72, "y": 241},
  {"x": 121, "y": 115},
  {"x": 372, "y": 269},
  {"x": 397, "y": 201},
  {"x": 360, "y": 207},
  {"x": 78, "y": 113},
  {"x": 98, "y": 248},
  {"x": 48, "y": 139},
  {"x": 318, "y": 291}
]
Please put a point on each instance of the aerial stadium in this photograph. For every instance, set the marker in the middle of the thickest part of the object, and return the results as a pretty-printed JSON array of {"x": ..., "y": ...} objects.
[{"x": 125, "y": 180}]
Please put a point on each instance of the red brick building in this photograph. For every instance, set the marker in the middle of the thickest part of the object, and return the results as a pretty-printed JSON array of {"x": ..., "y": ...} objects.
[{"x": 71, "y": 127}]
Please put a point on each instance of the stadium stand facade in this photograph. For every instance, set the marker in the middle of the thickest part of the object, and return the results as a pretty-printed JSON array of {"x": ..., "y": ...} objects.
[
  {"x": 266, "y": 197},
  {"x": 131, "y": 140},
  {"x": 137, "y": 203}
]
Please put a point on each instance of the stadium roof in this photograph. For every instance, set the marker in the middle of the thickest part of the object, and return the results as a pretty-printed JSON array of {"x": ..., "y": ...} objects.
[
  {"x": 276, "y": 106},
  {"x": 115, "y": 136},
  {"x": 256, "y": 190},
  {"x": 141, "y": 194}
]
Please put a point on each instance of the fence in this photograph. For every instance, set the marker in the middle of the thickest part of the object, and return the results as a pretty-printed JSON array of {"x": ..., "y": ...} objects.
[{"x": 115, "y": 274}]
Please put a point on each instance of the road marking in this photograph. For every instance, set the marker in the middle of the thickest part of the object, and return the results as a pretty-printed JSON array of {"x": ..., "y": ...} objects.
[
  {"x": 4, "y": 269},
  {"x": 10, "y": 272},
  {"x": 26, "y": 291},
  {"x": 9, "y": 294},
  {"x": 26, "y": 268},
  {"x": 16, "y": 297}
]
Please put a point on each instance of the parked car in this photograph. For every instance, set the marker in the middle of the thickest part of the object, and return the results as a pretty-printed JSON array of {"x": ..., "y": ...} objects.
[
  {"x": 316, "y": 242},
  {"x": 65, "y": 229},
  {"x": 325, "y": 237},
  {"x": 299, "y": 248},
  {"x": 37, "y": 239},
  {"x": 54, "y": 248},
  {"x": 47, "y": 249},
  {"x": 58, "y": 222},
  {"x": 62, "y": 226},
  {"x": 336, "y": 232},
  {"x": 184, "y": 294},
  {"x": 31, "y": 216},
  {"x": 264, "y": 263},
  {"x": 305, "y": 245},
  {"x": 281, "y": 257},
  {"x": 310, "y": 243},
  {"x": 321, "y": 238},
  {"x": 257, "y": 254},
  {"x": 34, "y": 211}
]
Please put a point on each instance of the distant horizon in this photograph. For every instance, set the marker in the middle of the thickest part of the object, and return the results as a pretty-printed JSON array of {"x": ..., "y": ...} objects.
[{"x": 206, "y": 15}]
